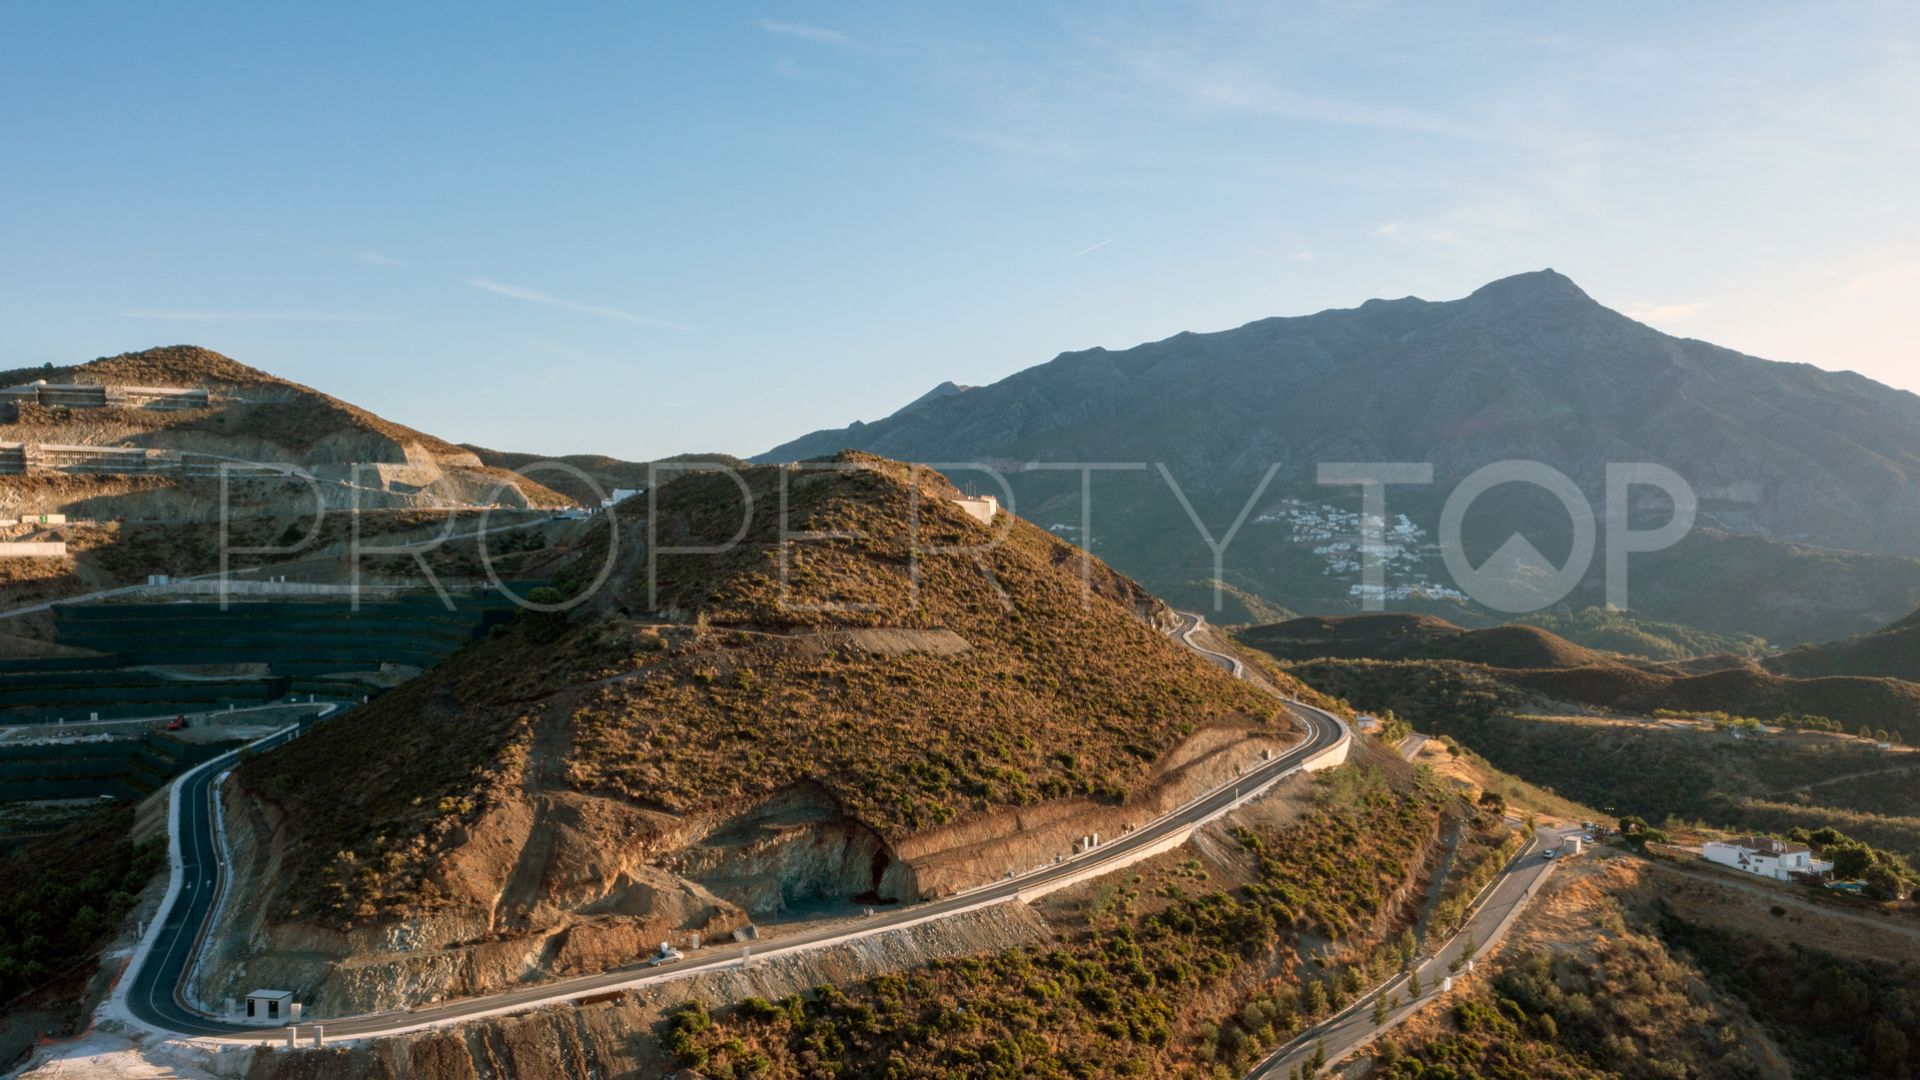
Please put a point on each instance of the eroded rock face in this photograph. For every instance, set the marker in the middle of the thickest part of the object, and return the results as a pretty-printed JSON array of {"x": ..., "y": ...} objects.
[
  {"x": 550, "y": 885},
  {"x": 796, "y": 849},
  {"x": 543, "y": 886}
]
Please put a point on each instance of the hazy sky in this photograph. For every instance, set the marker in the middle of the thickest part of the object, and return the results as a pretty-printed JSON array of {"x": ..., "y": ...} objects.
[{"x": 648, "y": 228}]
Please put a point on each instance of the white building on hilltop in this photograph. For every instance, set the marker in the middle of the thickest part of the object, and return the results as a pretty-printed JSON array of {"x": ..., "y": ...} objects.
[
  {"x": 980, "y": 508},
  {"x": 1765, "y": 856}
]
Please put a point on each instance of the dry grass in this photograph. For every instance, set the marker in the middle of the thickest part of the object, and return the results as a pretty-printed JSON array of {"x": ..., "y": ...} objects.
[{"x": 1061, "y": 693}]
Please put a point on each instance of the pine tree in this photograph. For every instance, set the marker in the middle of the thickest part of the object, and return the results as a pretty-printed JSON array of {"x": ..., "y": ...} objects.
[{"x": 1379, "y": 1010}]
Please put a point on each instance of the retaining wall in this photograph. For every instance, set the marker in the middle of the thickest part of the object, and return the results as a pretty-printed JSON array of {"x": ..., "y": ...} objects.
[{"x": 97, "y": 395}]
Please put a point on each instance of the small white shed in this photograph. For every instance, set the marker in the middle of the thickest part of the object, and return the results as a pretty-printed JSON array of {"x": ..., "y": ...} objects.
[{"x": 270, "y": 1006}]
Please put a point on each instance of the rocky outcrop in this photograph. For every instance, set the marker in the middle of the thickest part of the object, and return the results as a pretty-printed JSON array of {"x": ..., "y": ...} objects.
[
  {"x": 797, "y": 849},
  {"x": 539, "y": 888}
]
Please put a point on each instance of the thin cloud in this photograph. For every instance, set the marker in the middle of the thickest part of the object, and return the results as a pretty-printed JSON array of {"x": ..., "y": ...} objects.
[
  {"x": 374, "y": 258},
  {"x": 1088, "y": 251},
  {"x": 535, "y": 296},
  {"x": 194, "y": 315},
  {"x": 1665, "y": 312},
  {"x": 1901, "y": 278},
  {"x": 1022, "y": 147},
  {"x": 805, "y": 32},
  {"x": 1391, "y": 229},
  {"x": 1227, "y": 88}
]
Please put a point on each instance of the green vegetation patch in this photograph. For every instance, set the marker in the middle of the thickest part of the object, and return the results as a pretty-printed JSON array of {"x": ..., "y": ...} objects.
[
  {"x": 1133, "y": 991},
  {"x": 65, "y": 894}
]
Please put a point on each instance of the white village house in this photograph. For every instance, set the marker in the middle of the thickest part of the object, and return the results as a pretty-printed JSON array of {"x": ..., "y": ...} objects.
[{"x": 1765, "y": 856}]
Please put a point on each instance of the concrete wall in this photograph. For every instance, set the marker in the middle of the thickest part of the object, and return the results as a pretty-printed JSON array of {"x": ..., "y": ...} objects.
[
  {"x": 23, "y": 458},
  {"x": 33, "y": 549},
  {"x": 95, "y": 396}
]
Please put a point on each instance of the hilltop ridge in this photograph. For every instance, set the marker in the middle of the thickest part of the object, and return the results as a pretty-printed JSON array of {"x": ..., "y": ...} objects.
[
  {"x": 145, "y": 480},
  {"x": 1892, "y": 651},
  {"x": 905, "y": 703}
]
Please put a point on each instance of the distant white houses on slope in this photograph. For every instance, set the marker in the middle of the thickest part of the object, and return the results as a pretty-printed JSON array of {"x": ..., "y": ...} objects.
[
  {"x": 981, "y": 508},
  {"x": 1765, "y": 857},
  {"x": 620, "y": 495}
]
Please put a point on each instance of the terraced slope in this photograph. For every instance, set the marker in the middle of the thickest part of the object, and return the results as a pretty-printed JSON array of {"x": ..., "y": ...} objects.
[{"x": 253, "y": 417}]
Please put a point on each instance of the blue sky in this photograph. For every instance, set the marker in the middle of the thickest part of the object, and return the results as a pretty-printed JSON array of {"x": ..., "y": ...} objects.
[{"x": 642, "y": 229}]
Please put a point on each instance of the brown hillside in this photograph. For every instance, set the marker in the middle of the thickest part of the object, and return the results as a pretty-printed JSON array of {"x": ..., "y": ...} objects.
[
  {"x": 274, "y": 409},
  {"x": 759, "y": 744},
  {"x": 1398, "y": 636},
  {"x": 1547, "y": 668},
  {"x": 256, "y": 417},
  {"x": 606, "y": 473},
  {"x": 1367, "y": 637},
  {"x": 170, "y": 365},
  {"x": 1516, "y": 647},
  {"x": 1892, "y": 652}
]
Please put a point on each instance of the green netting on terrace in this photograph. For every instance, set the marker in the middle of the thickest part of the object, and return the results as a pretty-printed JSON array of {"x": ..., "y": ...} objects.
[
  {"x": 305, "y": 638},
  {"x": 120, "y": 767},
  {"x": 57, "y": 663}
]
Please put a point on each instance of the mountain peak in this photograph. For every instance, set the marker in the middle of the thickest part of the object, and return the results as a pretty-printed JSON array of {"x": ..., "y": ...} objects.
[
  {"x": 944, "y": 390},
  {"x": 1535, "y": 286}
]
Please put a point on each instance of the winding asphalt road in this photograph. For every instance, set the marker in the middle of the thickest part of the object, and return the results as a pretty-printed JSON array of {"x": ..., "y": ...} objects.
[
  {"x": 155, "y": 999},
  {"x": 1498, "y": 905},
  {"x": 158, "y": 970}
]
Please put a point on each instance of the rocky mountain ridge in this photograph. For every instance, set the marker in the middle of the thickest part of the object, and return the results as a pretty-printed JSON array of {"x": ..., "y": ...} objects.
[{"x": 1804, "y": 461}]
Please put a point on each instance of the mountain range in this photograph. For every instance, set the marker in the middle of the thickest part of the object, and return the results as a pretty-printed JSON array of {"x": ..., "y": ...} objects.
[{"x": 1528, "y": 367}]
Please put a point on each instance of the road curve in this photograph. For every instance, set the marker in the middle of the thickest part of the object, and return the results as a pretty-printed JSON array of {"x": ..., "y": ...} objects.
[
  {"x": 150, "y": 990},
  {"x": 155, "y": 999},
  {"x": 1191, "y": 624},
  {"x": 1494, "y": 911}
]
